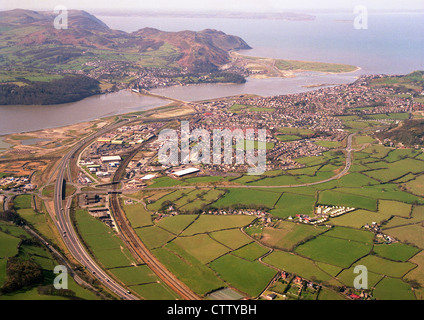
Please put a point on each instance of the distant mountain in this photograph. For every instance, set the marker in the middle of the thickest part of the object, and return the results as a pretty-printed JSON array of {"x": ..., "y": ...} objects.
[
  {"x": 201, "y": 51},
  {"x": 77, "y": 19}
]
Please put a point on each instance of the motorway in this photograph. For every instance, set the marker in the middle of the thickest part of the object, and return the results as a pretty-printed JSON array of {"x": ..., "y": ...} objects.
[{"x": 64, "y": 224}]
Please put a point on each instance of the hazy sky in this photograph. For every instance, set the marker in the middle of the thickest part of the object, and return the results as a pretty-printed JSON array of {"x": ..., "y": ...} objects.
[{"x": 231, "y": 5}]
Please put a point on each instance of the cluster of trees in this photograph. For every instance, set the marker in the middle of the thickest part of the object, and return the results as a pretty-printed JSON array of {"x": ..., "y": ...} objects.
[
  {"x": 68, "y": 89},
  {"x": 226, "y": 77},
  {"x": 21, "y": 274},
  {"x": 50, "y": 290},
  {"x": 411, "y": 133},
  {"x": 12, "y": 216},
  {"x": 214, "y": 77}
]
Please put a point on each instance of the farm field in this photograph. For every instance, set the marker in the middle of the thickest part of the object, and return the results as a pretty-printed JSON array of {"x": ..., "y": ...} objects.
[
  {"x": 246, "y": 197},
  {"x": 137, "y": 215},
  {"x": 286, "y": 235},
  {"x": 251, "y": 251},
  {"x": 231, "y": 238},
  {"x": 292, "y": 204},
  {"x": 396, "y": 251},
  {"x": 413, "y": 234},
  {"x": 19, "y": 244},
  {"x": 200, "y": 278},
  {"x": 336, "y": 251},
  {"x": 202, "y": 247},
  {"x": 385, "y": 288},
  {"x": 210, "y": 223},
  {"x": 296, "y": 264},
  {"x": 335, "y": 198},
  {"x": 240, "y": 274},
  {"x": 208, "y": 244},
  {"x": 386, "y": 267},
  {"x": 111, "y": 252},
  {"x": 176, "y": 224},
  {"x": 416, "y": 186}
]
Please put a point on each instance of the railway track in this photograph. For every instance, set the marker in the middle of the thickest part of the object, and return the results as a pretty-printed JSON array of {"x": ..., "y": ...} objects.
[{"x": 136, "y": 245}]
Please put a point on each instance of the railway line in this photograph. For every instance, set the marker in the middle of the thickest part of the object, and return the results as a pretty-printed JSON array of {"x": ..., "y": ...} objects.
[{"x": 137, "y": 246}]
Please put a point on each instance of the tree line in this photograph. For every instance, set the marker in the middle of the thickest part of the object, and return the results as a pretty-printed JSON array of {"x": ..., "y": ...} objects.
[{"x": 70, "y": 88}]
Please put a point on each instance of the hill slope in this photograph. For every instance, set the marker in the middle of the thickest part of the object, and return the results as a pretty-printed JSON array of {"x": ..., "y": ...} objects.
[{"x": 198, "y": 51}]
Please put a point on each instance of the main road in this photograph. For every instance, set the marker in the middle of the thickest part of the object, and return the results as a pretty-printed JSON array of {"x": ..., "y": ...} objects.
[{"x": 345, "y": 170}]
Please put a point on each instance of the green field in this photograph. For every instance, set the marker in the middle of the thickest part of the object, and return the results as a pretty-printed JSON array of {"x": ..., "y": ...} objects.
[
  {"x": 395, "y": 251},
  {"x": 286, "y": 235},
  {"x": 154, "y": 291},
  {"x": 339, "y": 252},
  {"x": 328, "y": 144},
  {"x": 9, "y": 245},
  {"x": 413, "y": 234},
  {"x": 347, "y": 277},
  {"x": 334, "y": 198},
  {"x": 296, "y": 131},
  {"x": 395, "y": 208},
  {"x": 153, "y": 236},
  {"x": 137, "y": 215},
  {"x": 351, "y": 234},
  {"x": 135, "y": 275},
  {"x": 189, "y": 270},
  {"x": 171, "y": 196},
  {"x": 247, "y": 197},
  {"x": 359, "y": 218},
  {"x": 18, "y": 243},
  {"x": 251, "y": 251},
  {"x": 393, "y": 289},
  {"x": 209, "y": 223},
  {"x": 202, "y": 247},
  {"x": 231, "y": 238},
  {"x": 176, "y": 224},
  {"x": 287, "y": 137},
  {"x": 164, "y": 182},
  {"x": 386, "y": 267},
  {"x": 296, "y": 264},
  {"x": 416, "y": 186},
  {"x": 247, "y": 276},
  {"x": 292, "y": 204}
]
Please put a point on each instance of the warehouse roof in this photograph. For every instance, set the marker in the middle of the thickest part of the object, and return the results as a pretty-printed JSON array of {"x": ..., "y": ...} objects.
[{"x": 185, "y": 172}]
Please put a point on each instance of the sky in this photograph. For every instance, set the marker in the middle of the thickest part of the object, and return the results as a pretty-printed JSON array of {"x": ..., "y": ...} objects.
[{"x": 219, "y": 5}]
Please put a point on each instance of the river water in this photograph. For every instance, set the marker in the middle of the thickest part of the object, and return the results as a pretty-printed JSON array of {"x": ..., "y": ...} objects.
[
  {"x": 14, "y": 119},
  {"x": 392, "y": 44}
]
